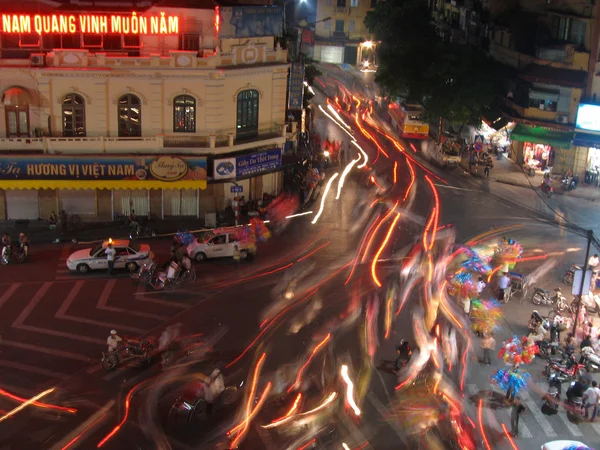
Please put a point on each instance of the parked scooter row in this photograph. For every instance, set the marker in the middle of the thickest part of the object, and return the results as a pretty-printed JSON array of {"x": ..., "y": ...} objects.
[{"x": 10, "y": 252}]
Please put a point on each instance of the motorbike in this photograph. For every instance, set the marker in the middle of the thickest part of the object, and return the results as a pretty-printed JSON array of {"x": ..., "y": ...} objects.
[
  {"x": 564, "y": 372},
  {"x": 174, "y": 276},
  {"x": 552, "y": 397},
  {"x": 140, "y": 349},
  {"x": 546, "y": 189},
  {"x": 548, "y": 348},
  {"x": 145, "y": 273},
  {"x": 141, "y": 231},
  {"x": 591, "y": 305},
  {"x": 569, "y": 183},
  {"x": 565, "y": 322},
  {"x": 570, "y": 274},
  {"x": 7, "y": 254},
  {"x": 544, "y": 297},
  {"x": 591, "y": 360}
]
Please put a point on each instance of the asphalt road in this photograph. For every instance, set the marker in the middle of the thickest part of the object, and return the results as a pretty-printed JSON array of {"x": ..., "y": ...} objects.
[{"x": 54, "y": 324}]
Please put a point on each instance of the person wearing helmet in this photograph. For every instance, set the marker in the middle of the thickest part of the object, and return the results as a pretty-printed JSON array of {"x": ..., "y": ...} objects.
[
  {"x": 6, "y": 240},
  {"x": 24, "y": 243},
  {"x": 403, "y": 354},
  {"x": 113, "y": 341},
  {"x": 535, "y": 320}
]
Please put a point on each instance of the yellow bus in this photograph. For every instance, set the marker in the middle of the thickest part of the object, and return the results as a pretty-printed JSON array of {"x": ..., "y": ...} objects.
[{"x": 406, "y": 120}]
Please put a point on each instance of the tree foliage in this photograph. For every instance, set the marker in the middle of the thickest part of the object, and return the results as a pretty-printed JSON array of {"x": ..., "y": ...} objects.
[{"x": 454, "y": 81}]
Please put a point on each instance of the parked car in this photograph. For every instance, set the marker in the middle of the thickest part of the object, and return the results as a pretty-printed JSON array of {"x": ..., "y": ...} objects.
[
  {"x": 130, "y": 255},
  {"x": 562, "y": 445},
  {"x": 218, "y": 243}
]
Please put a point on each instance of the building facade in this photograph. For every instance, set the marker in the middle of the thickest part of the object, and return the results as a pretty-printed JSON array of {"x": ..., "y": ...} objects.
[
  {"x": 150, "y": 110},
  {"x": 341, "y": 39}
]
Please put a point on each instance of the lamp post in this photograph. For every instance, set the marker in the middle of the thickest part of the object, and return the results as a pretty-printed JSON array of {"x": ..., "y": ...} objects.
[
  {"x": 590, "y": 235},
  {"x": 307, "y": 27}
]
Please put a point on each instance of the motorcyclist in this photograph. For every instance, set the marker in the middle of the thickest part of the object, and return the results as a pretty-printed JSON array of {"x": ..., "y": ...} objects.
[
  {"x": 24, "y": 243},
  {"x": 6, "y": 240},
  {"x": 133, "y": 221},
  {"x": 113, "y": 341},
  {"x": 577, "y": 389},
  {"x": 403, "y": 354},
  {"x": 535, "y": 320}
]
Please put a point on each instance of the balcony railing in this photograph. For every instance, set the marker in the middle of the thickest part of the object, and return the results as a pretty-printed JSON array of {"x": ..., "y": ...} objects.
[
  {"x": 221, "y": 142},
  {"x": 341, "y": 10},
  {"x": 532, "y": 113},
  {"x": 573, "y": 60}
]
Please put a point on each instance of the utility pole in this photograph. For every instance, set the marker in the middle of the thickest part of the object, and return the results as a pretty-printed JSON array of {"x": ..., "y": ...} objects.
[{"x": 590, "y": 235}]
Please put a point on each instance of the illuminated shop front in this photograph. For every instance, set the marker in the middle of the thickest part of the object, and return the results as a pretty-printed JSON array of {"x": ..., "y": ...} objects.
[
  {"x": 134, "y": 87},
  {"x": 543, "y": 148},
  {"x": 587, "y": 142}
]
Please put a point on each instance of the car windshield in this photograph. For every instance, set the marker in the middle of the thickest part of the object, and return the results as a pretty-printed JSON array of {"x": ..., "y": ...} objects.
[
  {"x": 135, "y": 246},
  {"x": 96, "y": 249}
]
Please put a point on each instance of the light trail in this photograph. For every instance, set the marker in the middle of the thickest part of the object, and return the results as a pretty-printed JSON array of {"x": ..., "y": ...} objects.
[
  {"x": 316, "y": 350},
  {"x": 253, "y": 413},
  {"x": 323, "y": 405},
  {"x": 385, "y": 219},
  {"x": 324, "y": 197},
  {"x": 395, "y": 172},
  {"x": 37, "y": 404},
  {"x": 116, "y": 429},
  {"x": 336, "y": 122},
  {"x": 349, "y": 390},
  {"x": 308, "y": 255},
  {"x": 89, "y": 427},
  {"x": 306, "y": 213},
  {"x": 337, "y": 116},
  {"x": 381, "y": 248},
  {"x": 363, "y": 153},
  {"x": 362, "y": 244},
  {"x": 412, "y": 180},
  {"x": 509, "y": 437},
  {"x": 343, "y": 177},
  {"x": 26, "y": 403},
  {"x": 479, "y": 414},
  {"x": 287, "y": 417}
]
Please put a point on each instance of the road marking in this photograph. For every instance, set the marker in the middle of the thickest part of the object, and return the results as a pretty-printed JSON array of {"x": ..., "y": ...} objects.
[
  {"x": 595, "y": 427},
  {"x": 49, "y": 351},
  {"x": 456, "y": 188},
  {"x": 8, "y": 293},
  {"x": 523, "y": 429},
  {"x": 61, "y": 314},
  {"x": 537, "y": 414},
  {"x": 103, "y": 300},
  {"x": 141, "y": 295},
  {"x": 32, "y": 369},
  {"x": 353, "y": 429},
  {"x": 33, "y": 302},
  {"x": 64, "y": 442},
  {"x": 574, "y": 429},
  {"x": 386, "y": 414}
]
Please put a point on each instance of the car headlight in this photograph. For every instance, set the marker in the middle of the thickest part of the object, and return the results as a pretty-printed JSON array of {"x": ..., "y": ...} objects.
[{"x": 326, "y": 153}]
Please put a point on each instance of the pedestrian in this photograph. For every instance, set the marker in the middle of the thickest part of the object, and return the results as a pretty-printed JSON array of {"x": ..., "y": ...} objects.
[
  {"x": 488, "y": 343},
  {"x": 467, "y": 305},
  {"x": 236, "y": 257},
  {"x": 480, "y": 286},
  {"x": 503, "y": 285},
  {"x": 110, "y": 258},
  {"x": 515, "y": 413},
  {"x": 591, "y": 397}
]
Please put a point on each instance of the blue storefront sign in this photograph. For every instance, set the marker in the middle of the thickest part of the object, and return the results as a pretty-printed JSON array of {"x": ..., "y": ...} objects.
[
  {"x": 237, "y": 189},
  {"x": 250, "y": 21},
  {"x": 296, "y": 87},
  {"x": 247, "y": 165}
]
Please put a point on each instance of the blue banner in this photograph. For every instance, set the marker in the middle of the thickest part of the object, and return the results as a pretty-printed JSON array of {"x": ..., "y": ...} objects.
[
  {"x": 247, "y": 165},
  {"x": 296, "y": 88},
  {"x": 138, "y": 168},
  {"x": 250, "y": 21}
]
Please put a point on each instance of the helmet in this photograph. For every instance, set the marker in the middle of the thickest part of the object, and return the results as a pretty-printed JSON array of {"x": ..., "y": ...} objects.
[
  {"x": 557, "y": 289},
  {"x": 113, "y": 332},
  {"x": 21, "y": 235}
]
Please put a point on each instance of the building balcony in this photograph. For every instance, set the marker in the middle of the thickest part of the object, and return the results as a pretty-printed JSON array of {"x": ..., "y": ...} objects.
[
  {"x": 221, "y": 142},
  {"x": 535, "y": 114},
  {"x": 561, "y": 57},
  {"x": 341, "y": 10}
]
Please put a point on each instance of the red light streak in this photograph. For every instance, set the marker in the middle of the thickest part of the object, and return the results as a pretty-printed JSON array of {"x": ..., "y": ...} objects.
[
  {"x": 374, "y": 203},
  {"x": 267, "y": 327},
  {"x": 413, "y": 147},
  {"x": 116, "y": 429},
  {"x": 464, "y": 364},
  {"x": 355, "y": 261},
  {"x": 395, "y": 172},
  {"x": 217, "y": 19},
  {"x": 388, "y": 317},
  {"x": 493, "y": 272},
  {"x": 314, "y": 251},
  {"x": 412, "y": 180},
  {"x": 291, "y": 411},
  {"x": 427, "y": 228},
  {"x": 307, "y": 363},
  {"x": 246, "y": 422},
  {"x": 437, "y": 211},
  {"x": 485, "y": 441},
  {"x": 383, "y": 245},
  {"x": 76, "y": 438},
  {"x": 407, "y": 291},
  {"x": 308, "y": 444},
  {"x": 374, "y": 181},
  {"x": 531, "y": 258},
  {"x": 370, "y": 137},
  {"x": 38, "y": 404},
  {"x": 271, "y": 272},
  {"x": 509, "y": 437},
  {"x": 443, "y": 303}
]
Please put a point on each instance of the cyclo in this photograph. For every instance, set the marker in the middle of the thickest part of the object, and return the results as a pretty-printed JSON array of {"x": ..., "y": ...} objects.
[{"x": 130, "y": 348}]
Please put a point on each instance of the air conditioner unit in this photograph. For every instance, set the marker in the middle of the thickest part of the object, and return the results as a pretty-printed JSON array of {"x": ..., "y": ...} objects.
[
  {"x": 562, "y": 119},
  {"x": 37, "y": 60}
]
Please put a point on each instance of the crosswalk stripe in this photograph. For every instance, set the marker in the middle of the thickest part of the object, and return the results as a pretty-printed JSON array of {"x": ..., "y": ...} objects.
[
  {"x": 574, "y": 429},
  {"x": 537, "y": 414},
  {"x": 596, "y": 427},
  {"x": 524, "y": 431}
]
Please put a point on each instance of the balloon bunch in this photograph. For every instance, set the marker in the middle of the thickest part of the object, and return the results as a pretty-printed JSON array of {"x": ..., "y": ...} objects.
[
  {"x": 517, "y": 352},
  {"x": 255, "y": 231},
  {"x": 282, "y": 206},
  {"x": 475, "y": 263},
  {"x": 485, "y": 315},
  {"x": 185, "y": 238},
  {"x": 332, "y": 146},
  {"x": 313, "y": 177},
  {"x": 507, "y": 252},
  {"x": 461, "y": 285},
  {"x": 578, "y": 447},
  {"x": 511, "y": 380}
]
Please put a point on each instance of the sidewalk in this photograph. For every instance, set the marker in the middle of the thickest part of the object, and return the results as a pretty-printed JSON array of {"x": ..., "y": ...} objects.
[{"x": 506, "y": 171}]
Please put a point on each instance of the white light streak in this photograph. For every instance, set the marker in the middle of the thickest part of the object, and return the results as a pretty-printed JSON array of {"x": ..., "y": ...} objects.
[
  {"x": 336, "y": 122},
  {"x": 350, "y": 390},
  {"x": 324, "y": 197},
  {"x": 343, "y": 177},
  {"x": 337, "y": 116},
  {"x": 310, "y": 89},
  {"x": 363, "y": 153},
  {"x": 327, "y": 401},
  {"x": 25, "y": 404},
  {"x": 345, "y": 446},
  {"x": 299, "y": 215}
]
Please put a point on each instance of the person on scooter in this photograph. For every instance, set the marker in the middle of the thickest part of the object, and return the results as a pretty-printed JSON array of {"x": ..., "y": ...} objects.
[
  {"x": 133, "y": 221},
  {"x": 577, "y": 389},
  {"x": 535, "y": 321},
  {"x": 403, "y": 354},
  {"x": 6, "y": 240},
  {"x": 114, "y": 341},
  {"x": 24, "y": 243}
]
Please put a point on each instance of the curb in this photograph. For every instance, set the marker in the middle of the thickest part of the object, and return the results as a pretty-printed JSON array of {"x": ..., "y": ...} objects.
[{"x": 556, "y": 192}]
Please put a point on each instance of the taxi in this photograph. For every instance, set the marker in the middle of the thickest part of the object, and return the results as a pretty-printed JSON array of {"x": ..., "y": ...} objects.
[
  {"x": 129, "y": 255},
  {"x": 218, "y": 243},
  {"x": 563, "y": 445}
]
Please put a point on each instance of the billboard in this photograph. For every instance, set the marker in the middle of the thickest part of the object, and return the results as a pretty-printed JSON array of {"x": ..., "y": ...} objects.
[
  {"x": 247, "y": 165},
  {"x": 296, "y": 86},
  {"x": 138, "y": 168},
  {"x": 588, "y": 118},
  {"x": 250, "y": 21}
]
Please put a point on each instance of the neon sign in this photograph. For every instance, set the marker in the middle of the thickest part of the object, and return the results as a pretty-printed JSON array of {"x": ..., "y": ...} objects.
[{"x": 89, "y": 24}]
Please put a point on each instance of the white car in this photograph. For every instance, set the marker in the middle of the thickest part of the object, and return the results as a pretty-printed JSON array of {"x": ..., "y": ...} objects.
[
  {"x": 562, "y": 445},
  {"x": 217, "y": 243},
  {"x": 130, "y": 255}
]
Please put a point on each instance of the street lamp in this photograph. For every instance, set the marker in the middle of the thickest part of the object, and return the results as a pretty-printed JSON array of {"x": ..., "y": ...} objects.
[{"x": 367, "y": 44}]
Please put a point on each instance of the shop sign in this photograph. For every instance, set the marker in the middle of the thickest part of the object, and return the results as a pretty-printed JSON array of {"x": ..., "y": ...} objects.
[
  {"x": 588, "y": 118},
  {"x": 90, "y": 24},
  {"x": 249, "y": 21},
  {"x": 247, "y": 165},
  {"x": 140, "y": 168},
  {"x": 296, "y": 89}
]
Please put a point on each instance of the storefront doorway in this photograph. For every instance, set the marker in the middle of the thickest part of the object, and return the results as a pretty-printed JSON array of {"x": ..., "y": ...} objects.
[
  {"x": 592, "y": 171},
  {"x": 539, "y": 155}
]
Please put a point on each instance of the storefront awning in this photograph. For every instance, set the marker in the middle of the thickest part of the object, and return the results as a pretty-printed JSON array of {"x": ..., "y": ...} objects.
[
  {"x": 541, "y": 135},
  {"x": 586, "y": 140},
  {"x": 101, "y": 184},
  {"x": 497, "y": 123}
]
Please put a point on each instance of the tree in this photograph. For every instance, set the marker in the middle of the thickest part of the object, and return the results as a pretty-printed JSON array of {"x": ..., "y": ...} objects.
[{"x": 453, "y": 81}]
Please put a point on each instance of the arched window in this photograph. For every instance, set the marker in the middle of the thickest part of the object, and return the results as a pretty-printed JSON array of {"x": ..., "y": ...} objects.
[
  {"x": 184, "y": 114},
  {"x": 130, "y": 116},
  {"x": 73, "y": 115},
  {"x": 247, "y": 114}
]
